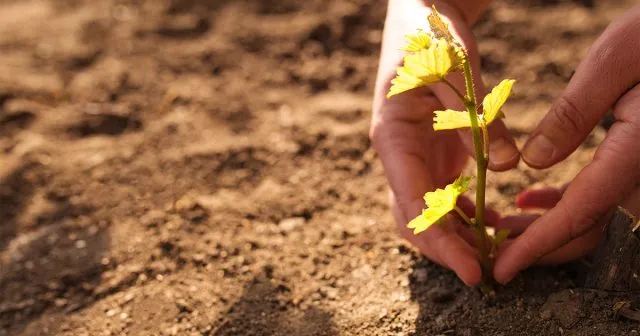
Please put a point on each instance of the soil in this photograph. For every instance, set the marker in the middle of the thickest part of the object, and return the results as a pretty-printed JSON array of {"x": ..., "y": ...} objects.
[{"x": 191, "y": 167}]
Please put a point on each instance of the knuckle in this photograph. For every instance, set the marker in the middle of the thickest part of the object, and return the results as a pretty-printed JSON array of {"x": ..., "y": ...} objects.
[{"x": 566, "y": 117}]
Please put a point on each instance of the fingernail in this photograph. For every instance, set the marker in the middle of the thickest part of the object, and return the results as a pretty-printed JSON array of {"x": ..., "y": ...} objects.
[
  {"x": 502, "y": 151},
  {"x": 539, "y": 151}
]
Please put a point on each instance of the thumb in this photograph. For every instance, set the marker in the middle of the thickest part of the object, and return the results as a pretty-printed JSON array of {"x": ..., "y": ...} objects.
[{"x": 609, "y": 70}]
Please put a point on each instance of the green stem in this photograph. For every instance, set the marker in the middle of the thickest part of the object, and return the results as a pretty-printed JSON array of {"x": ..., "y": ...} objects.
[
  {"x": 464, "y": 216},
  {"x": 454, "y": 89},
  {"x": 481, "y": 164},
  {"x": 485, "y": 140}
]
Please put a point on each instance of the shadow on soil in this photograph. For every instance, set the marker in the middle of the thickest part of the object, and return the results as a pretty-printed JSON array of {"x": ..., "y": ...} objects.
[
  {"x": 50, "y": 256},
  {"x": 15, "y": 193},
  {"x": 264, "y": 309}
]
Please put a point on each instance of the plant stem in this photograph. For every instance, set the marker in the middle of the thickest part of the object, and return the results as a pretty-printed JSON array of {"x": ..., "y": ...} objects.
[
  {"x": 485, "y": 140},
  {"x": 481, "y": 165},
  {"x": 454, "y": 89},
  {"x": 464, "y": 216}
]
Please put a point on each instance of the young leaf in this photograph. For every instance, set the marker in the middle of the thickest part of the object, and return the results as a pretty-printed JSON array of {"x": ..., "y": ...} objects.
[
  {"x": 493, "y": 102},
  {"x": 450, "y": 119},
  {"x": 425, "y": 220},
  {"x": 425, "y": 67},
  {"x": 439, "y": 28},
  {"x": 417, "y": 41},
  {"x": 439, "y": 203},
  {"x": 500, "y": 237}
]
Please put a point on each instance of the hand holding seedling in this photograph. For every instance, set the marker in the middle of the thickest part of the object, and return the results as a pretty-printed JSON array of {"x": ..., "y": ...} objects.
[
  {"x": 418, "y": 159},
  {"x": 608, "y": 78}
]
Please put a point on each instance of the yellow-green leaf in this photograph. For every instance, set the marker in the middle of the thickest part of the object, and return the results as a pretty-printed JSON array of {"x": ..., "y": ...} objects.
[
  {"x": 450, "y": 119},
  {"x": 425, "y": 220},
  {"x": 439, "y": 203},
  {"x": 417, "y": 41},
  {"x": 425, "y": 67},
  {"x": 438, "y": 26},
  {"x": 493, "y": 102},
  {"x": 500, "y": 237}
]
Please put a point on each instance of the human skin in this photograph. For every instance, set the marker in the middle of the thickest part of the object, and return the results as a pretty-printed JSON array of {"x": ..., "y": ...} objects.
[
  {"x": 608, "y": 78},
  {"x": 417, "y": 159}
]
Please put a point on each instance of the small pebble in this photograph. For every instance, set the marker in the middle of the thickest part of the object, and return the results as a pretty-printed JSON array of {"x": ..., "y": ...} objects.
[
  {"x": 290, "y": 224},
  {"x": 128, "y": 297},
  {"x": 80, "y": 244}
]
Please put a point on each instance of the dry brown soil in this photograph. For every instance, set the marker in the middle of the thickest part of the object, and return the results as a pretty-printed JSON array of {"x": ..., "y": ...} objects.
[{"x": 192, "y": 167}]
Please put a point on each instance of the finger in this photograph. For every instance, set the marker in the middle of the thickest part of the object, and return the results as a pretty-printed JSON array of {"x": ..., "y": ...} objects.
[
  {"x": 609, "y": 70},
  {"x": 442, "y": 245},
  {"x": 517, "y": 224},
  {"x": 545, "y": 198},
  {"x": 573, "y": 250},
  {"x": 492, "y": 219},
  {"x": 454, "y": 252},
  {"x": 491, "y": 216},
  {"x": 503, "y": 153},
  {"x": 407, "y": 234},
  {"x": 601, "y": 185},
  {"x": 398, "y": 137},
  {"x": 467, "y": 234}
]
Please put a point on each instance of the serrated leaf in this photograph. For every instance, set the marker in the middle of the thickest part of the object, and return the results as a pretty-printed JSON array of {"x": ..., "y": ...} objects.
[
  {"x": 424, "y": 221},
  {"x": 425, "y": 67},
  {"x": 439, "y": 203},
  {"x": 493, "y": 102},
  {"x": 417, "y": 41},
  {"x": 450, "y": 119}
]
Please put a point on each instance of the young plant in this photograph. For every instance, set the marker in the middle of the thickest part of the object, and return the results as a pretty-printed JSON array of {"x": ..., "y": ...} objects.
[{"x": 432, "y": 56}]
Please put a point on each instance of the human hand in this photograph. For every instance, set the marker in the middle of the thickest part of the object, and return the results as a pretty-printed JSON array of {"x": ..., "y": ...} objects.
[
  {"x": 545, "y": 199},
  {"x": 416, "y": 159},
  {"x": 608, "y": 78}
]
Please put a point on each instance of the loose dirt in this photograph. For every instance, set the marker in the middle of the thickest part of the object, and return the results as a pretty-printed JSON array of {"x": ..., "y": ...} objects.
[{"x": 204, "y": 168}]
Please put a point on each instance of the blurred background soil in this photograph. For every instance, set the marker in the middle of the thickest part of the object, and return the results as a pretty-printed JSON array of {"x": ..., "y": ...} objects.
[{"x": 192, "y": 167}]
